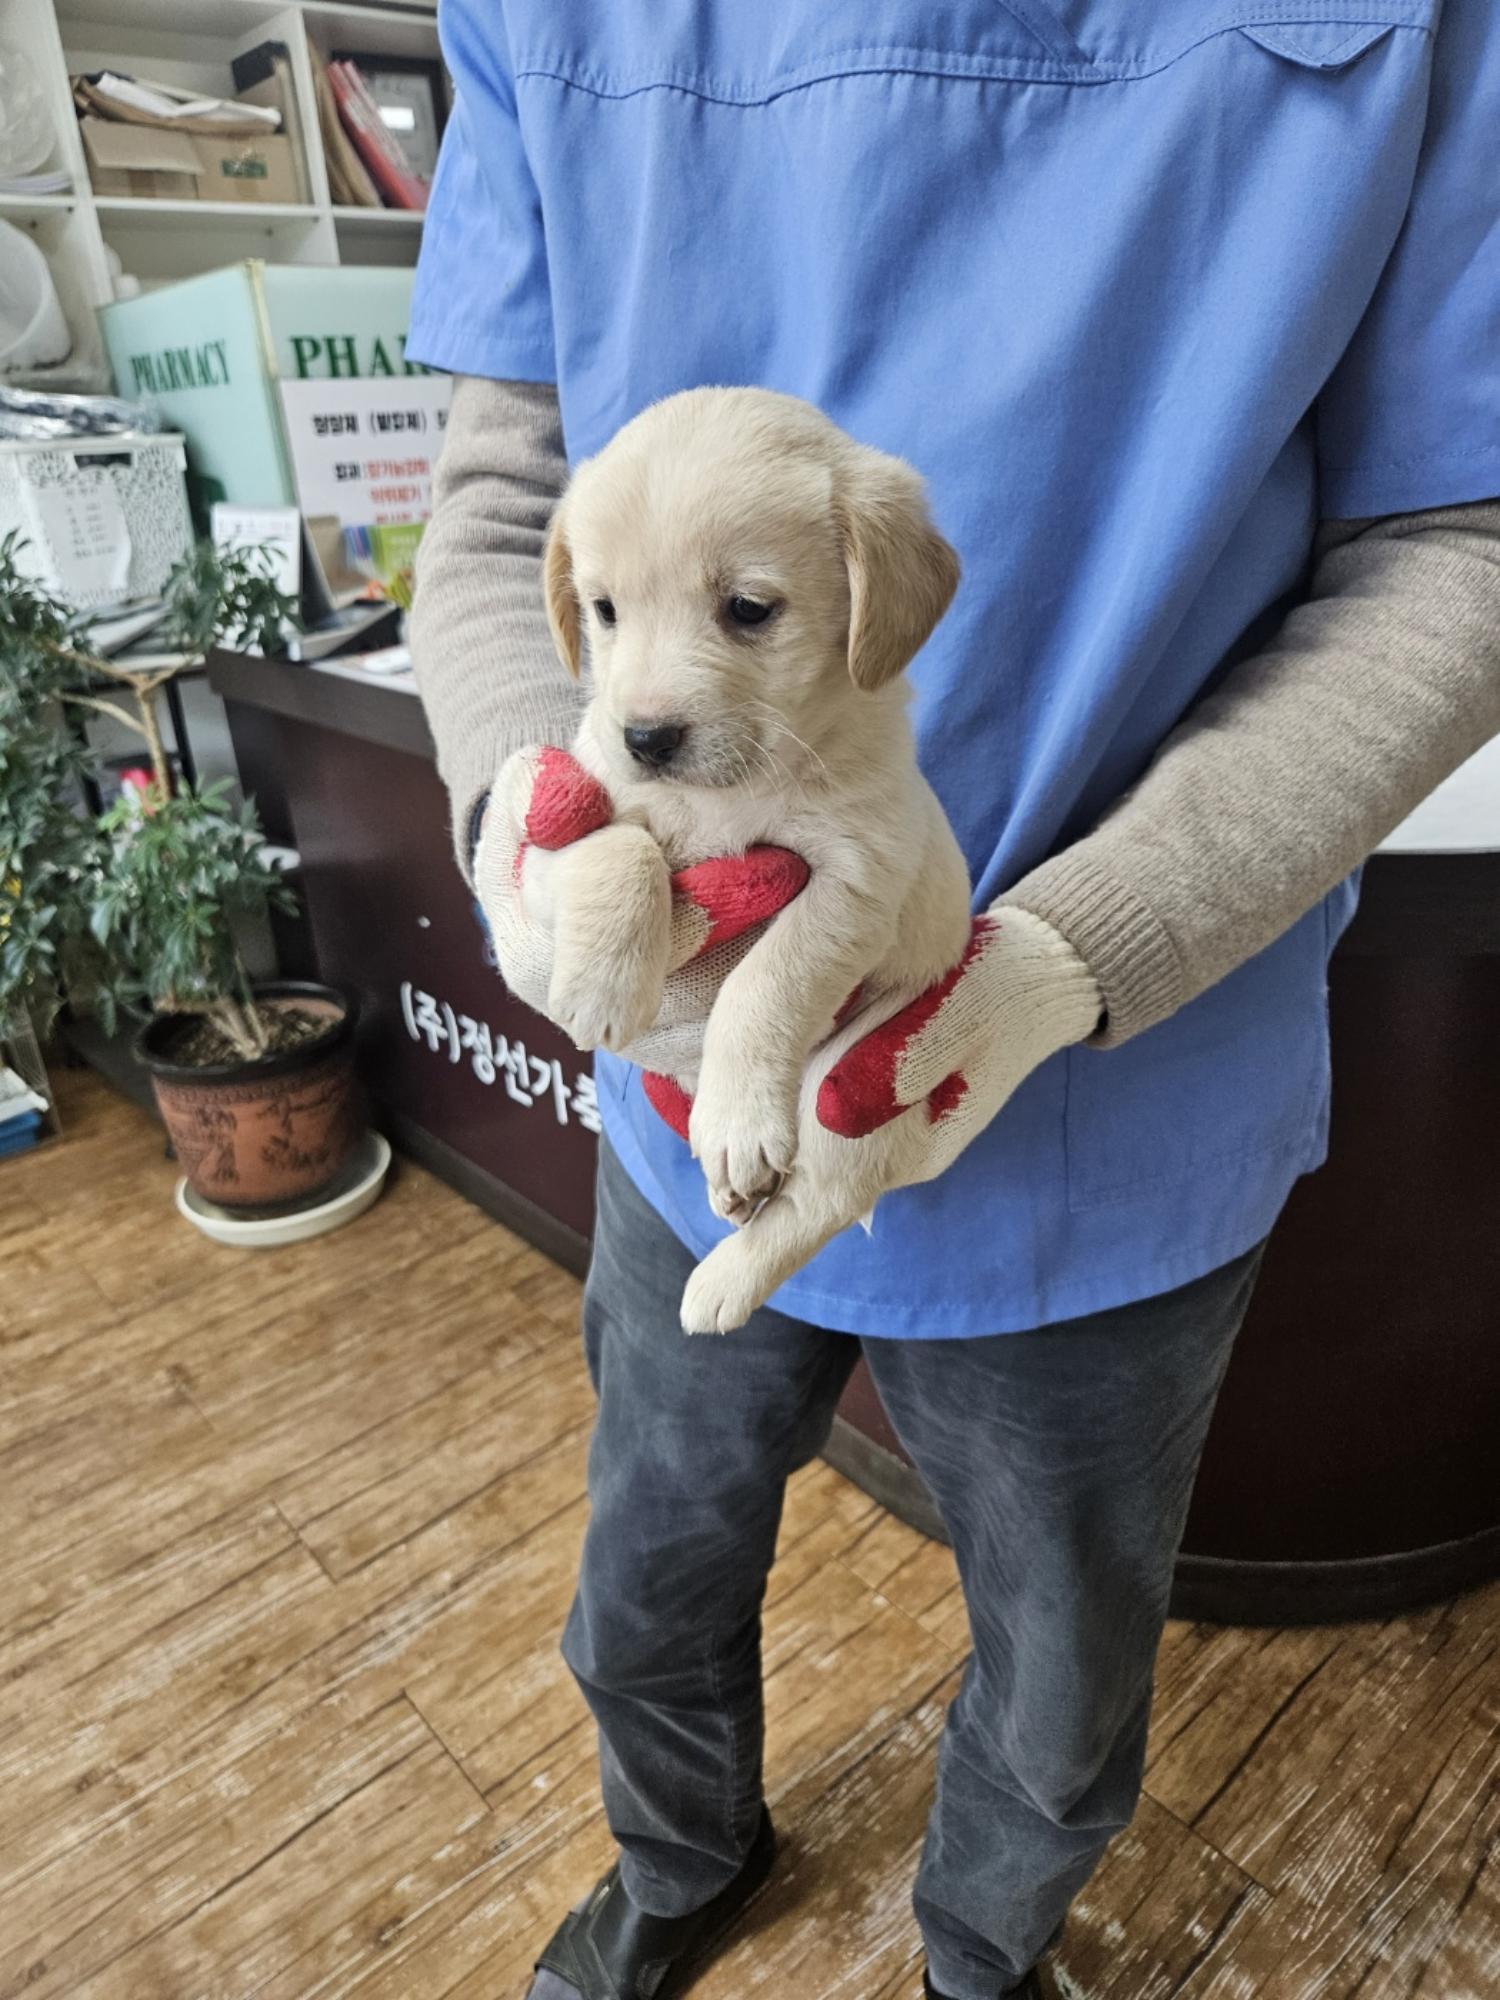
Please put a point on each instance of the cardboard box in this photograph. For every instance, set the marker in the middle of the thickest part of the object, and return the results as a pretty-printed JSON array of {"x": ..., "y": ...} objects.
[
  {"x": 276, "y": 90},
  {"x": 149, "y": 162},
  {"x": 141, "y": 160},
  {"x": 247, "y": 169},
  {"x": 213, "y": 352}
]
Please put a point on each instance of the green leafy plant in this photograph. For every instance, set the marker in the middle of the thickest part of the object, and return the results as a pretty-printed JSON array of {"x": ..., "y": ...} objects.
[
  {"x": 227, "y": 597},
  {"x": 138, "y": 907},
  {"x": 46, "y": 842},
  {"x": 172, "y": 879}
]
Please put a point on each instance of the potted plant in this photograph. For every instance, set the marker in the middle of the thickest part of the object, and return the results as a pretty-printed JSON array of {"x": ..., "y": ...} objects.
[
  {"x": 255, "y": 1083},
  {"x": 142, "y": 909}
]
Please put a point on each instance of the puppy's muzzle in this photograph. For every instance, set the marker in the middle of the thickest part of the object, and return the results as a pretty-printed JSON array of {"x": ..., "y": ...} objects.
[{"x": 655, "y": 744}]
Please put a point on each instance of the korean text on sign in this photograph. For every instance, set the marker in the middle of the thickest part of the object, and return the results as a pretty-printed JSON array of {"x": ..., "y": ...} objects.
[{"x": 528, "y": 1080}]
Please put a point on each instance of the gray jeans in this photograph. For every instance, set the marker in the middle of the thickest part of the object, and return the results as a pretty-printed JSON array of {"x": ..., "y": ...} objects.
[{"x": 1062, "y": 1460}]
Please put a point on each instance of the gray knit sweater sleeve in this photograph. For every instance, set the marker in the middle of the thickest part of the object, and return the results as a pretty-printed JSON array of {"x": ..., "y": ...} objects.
[
  {"x": 489, "y": 678},
  {"x": 1294, "y": 769}
]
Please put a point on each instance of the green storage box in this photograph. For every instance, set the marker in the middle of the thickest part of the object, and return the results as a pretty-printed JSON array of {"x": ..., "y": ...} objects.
[{"x": 211, "y": 354}]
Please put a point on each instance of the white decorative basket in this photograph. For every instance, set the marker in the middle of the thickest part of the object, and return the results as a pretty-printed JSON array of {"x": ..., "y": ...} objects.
[{"x": 103, "y": 518}]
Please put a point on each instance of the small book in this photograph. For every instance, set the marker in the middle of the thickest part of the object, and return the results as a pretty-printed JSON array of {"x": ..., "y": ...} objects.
[
  {"x": 349, "y": 184},
  {"x": 376, "y": 144}
]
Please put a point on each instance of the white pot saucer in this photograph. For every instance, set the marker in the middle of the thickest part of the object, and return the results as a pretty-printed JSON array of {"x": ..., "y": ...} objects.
[{"x": 357, "y": 1188}]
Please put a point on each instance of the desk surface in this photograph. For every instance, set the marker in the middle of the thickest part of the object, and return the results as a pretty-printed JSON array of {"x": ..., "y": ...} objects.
[
  {"x": 374, "y": 708},
  {"x": 1462, "y": 816}
]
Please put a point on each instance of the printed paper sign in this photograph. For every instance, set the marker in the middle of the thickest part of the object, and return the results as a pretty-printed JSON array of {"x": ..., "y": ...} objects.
[
  {"x": 363, "y": 448},
  {"x": 82, "y": 526},
  {"x": 278, "y": 529}
]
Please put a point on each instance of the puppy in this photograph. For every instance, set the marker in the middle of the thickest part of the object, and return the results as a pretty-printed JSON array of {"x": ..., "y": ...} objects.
[{"x": 748, "y": 584}]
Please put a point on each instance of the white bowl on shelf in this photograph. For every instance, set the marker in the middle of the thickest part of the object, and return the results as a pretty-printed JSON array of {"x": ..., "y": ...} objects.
[
  {"x": 33, "y": 331},
  {"x": 25, "y": 124}
]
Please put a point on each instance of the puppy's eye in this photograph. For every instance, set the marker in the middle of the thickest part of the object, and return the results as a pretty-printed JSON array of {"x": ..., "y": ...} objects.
[
  {"x": 748, "y": 611},
  {"x": 604, "y": 610}
]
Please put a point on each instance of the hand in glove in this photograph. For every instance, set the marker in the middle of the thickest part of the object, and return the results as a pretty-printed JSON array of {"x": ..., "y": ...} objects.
[
  {"x": 893, "y": 1104},
  {"x": 548, "y": 817}
]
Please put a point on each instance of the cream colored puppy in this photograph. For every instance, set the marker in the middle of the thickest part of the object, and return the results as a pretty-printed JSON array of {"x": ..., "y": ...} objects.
[{"x": 748, "y": 584}]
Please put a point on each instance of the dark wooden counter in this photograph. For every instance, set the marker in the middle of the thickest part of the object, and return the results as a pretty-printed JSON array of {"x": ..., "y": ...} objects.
[
  {"x": 1352, "y": 1467},
  {"x": 385, "y": 712},
  {"x": 463, "y": 1077}
]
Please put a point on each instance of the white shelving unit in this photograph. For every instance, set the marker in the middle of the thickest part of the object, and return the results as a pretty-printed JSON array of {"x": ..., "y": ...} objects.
[{"x": 191, "y": 43}]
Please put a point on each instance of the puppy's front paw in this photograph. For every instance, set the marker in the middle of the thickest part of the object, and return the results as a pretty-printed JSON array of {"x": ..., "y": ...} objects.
[
  {"x": 746, "y": 1142},
  {"x": 602, "y": 1005},
  {"x": 740, "y": 1209}
]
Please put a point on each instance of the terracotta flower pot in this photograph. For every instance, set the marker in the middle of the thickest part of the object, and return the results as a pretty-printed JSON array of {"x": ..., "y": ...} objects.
[{"x": 266, "y": 1134}]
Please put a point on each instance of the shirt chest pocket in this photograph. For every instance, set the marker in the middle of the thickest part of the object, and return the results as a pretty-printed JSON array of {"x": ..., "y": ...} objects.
[
  {"x": 1318, "y": 45},
  {"x": 1126, "y": 39}
]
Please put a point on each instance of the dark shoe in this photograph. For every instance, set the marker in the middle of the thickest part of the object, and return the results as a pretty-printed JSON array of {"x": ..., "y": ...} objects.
[{"x": 610, "y": 1950}]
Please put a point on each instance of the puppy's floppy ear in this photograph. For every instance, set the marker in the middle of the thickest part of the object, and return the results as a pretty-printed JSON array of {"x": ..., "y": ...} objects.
[
  {"x": 564, "y": 614},
  {"x": 902, "y": 574}
]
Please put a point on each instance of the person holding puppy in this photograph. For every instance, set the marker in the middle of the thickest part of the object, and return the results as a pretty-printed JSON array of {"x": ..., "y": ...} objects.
[{"x": 1187, "y": 318}]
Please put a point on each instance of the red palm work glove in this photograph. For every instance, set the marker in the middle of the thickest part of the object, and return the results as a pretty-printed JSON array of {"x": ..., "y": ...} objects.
[
  {"x": 949, "y": 1060},
  {"x": 897, "y": 1103},
  {"x": 945, "y": 1064},
  {"x": 543, "y": 801}
]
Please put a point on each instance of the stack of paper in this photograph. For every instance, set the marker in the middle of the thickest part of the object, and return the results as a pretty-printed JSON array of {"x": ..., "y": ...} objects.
[
  {"x": 137, "y": 101},
  {"x": 118, "y": 629}
]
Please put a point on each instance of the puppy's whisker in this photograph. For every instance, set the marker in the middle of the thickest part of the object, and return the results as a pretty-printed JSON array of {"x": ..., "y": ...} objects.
[
  {"x": 779, "y": 723},
  {"x": 772, "y": 765},
  {"x": 760, "y": 713},
  {"x": 792, "y": 780}
]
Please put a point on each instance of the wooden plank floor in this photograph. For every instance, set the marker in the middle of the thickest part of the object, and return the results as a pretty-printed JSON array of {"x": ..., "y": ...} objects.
[{"x": 285, "y": 1543}]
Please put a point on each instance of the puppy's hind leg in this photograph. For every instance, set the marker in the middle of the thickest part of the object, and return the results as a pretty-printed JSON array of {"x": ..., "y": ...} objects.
[
  {"x": 834, "y": 1184},
  {"x": 740, "y": 1274}
]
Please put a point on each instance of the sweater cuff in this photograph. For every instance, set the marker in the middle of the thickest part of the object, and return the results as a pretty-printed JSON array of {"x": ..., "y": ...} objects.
[
  {"x": 466, "y": 815},
  {"x": 1121, "y": 940}
]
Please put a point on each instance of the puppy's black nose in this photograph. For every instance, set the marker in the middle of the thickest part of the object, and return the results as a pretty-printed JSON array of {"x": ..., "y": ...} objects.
[{"x": 655, "y": 744}]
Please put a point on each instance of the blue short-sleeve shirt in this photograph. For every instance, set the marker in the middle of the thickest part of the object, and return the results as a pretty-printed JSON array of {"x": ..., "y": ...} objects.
[{"x": 1143, "y": 288}]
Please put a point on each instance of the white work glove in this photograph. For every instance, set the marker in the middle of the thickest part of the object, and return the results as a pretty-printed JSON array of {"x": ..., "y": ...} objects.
[
  {"x": 897, "y": 1103},
  {"x": 543, "y": 801},
  {"x": 948, "y": 1061}
]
